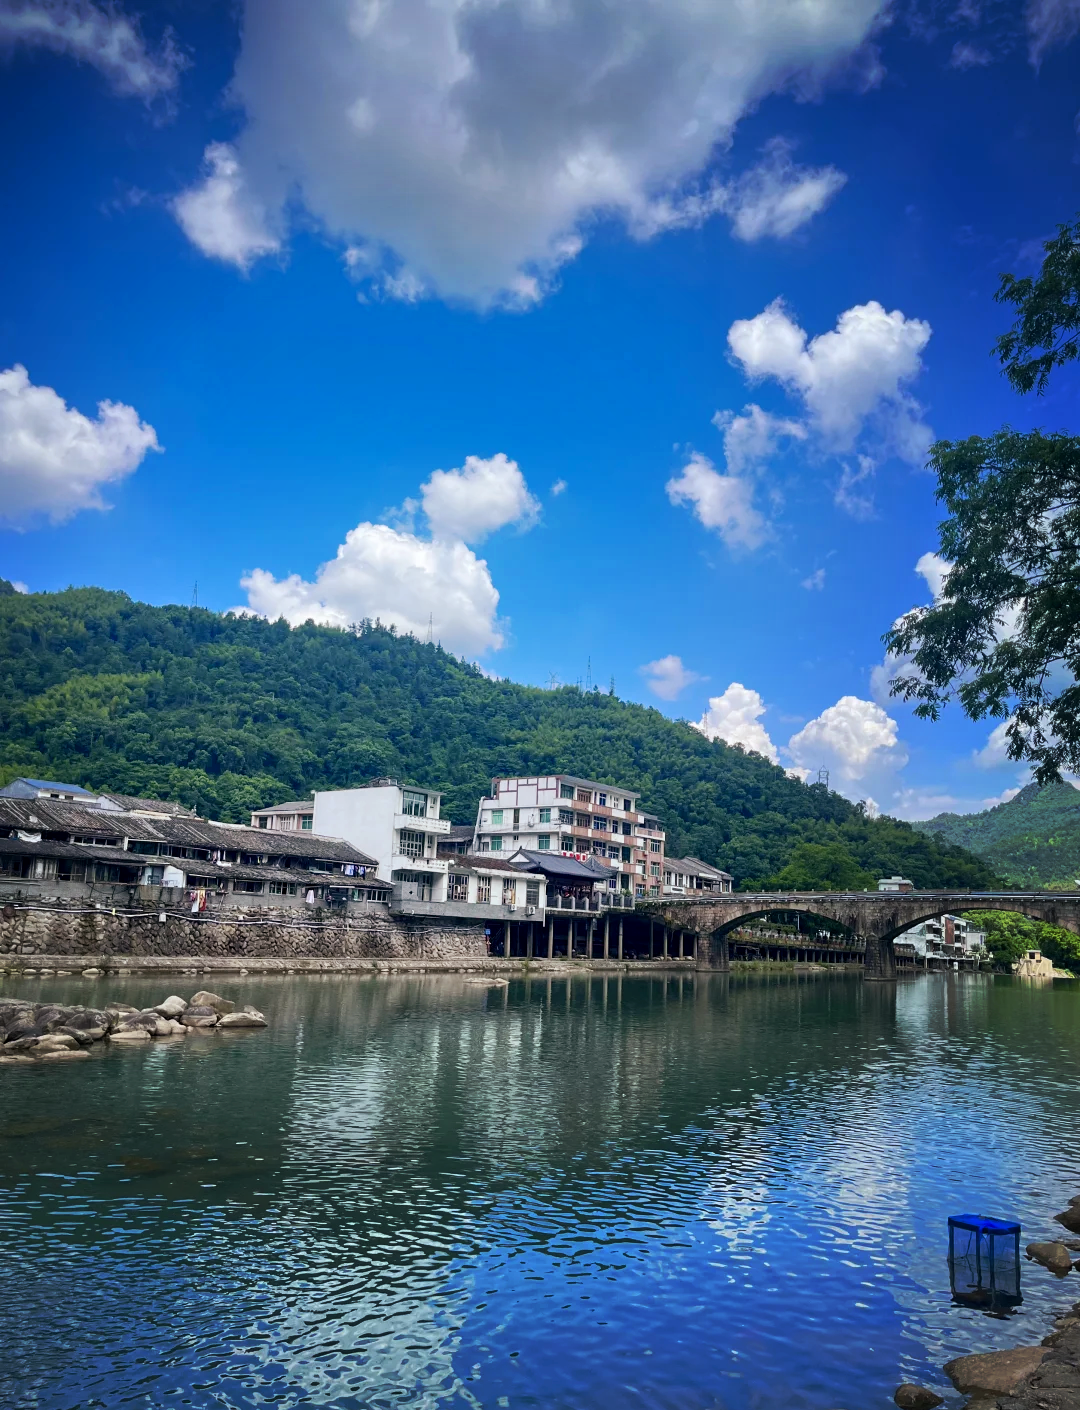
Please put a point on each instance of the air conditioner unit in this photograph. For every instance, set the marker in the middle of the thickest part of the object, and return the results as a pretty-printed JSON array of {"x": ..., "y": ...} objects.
[
  {"x": 530, "y": 910},
  {"x": 511, "y": 909}
]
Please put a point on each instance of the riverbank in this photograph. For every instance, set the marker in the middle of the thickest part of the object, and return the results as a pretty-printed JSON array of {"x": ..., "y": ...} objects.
[{"x": 93, "y": 965}]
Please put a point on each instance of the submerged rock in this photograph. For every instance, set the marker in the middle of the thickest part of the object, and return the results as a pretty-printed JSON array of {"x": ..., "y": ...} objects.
[
  {"x": 995, "y": 1372},
  {"x": 246, "y": 1017},
  {"x": 913, "y": 1397},
  {"x": 1054, "y": 1256}
]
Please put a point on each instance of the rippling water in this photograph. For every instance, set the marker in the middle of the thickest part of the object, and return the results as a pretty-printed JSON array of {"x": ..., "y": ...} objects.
[{"x": 664, "y": 1192}]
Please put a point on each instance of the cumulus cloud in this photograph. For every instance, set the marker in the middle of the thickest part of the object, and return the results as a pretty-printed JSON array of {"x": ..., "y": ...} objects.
[
  {"x": 558, "y": 488},
  {"x": 90, "y": 34},
  {"x": 994, "y": 752},
  {"x": 721, "y": 502},
  {"x": 1051, "y": 23},
  {"x": 471, "y": 503},
  {"x": 54, "y": 461},
  {"x": 473, "y": 144},
  {"x": 415, "y": 583},
  {"x": 852, "y": 375},
  {"x": 221, "y": 215},
  {"x": 774, "y": 198},
  {"x": 20, "y": 587},
  {"x": 934, "y": 570},
  {"x": 735, "y": 718},
  {"x": 754, "y": 436},
  {"x": 668, "y": 677},
  {"x": 855, "y": 739}
]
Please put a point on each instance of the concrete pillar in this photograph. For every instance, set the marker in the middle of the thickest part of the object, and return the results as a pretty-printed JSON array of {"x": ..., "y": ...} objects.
[
  {"x": 607, "y": 935},
  {"x": 682, "y": 939},
  {"x": 712, "y": 952},
  {"x": 530, "y": 946},
  {"x": 620, "y": 943},
  {"x": 592, "y": 936},
  {"x": 665, "y": 950},
  {"x": 880, "y": 960},
  {"x": 652, "y": 939},
  {"x": 551, "y": 936}
]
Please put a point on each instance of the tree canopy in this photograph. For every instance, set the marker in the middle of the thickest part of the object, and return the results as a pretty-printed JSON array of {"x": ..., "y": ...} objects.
[
  {"x": 229, "y": 713},
  {"x": 1032, "y": 841},
  {"x": 1003, "y": 636}
]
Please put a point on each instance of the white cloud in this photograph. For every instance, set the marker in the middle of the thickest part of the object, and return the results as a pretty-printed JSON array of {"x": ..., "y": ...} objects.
[
  {"x": 472, "y": 144},
  {"x": 720, "y": 502},
  {"x": 668, "y": 677},
  {"x": 994, "y": 753},
  {"x": 221, "y": 215},
  {"x": 735, "y": 717},
  {"x": 855, "y": 739},
  {"x": 54, "y": 461},
  {"x": 1005, "y": 796},
  {"x": 774, "y": 198},
  {"x": 816, "y": 581},
  {"x": 417, "y": 584},
  {"x": 20, "y": 587},
  {"x": 969, "y": 56},
  {"x": 558, "y": 488},
  {"x": 845, "y": 378},
  {"x": 1051, "y": 23},
  {"x": 752, "y": 437},
  {"x": 471, "y": 503},
  {"x": 934, "y": 570},
  {"x": 846, "y": 496},
  {"x": 90, "y": 34}
]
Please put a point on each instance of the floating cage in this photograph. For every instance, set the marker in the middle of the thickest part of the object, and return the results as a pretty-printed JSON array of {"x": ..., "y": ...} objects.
[{"x": 984, "y": 1262}]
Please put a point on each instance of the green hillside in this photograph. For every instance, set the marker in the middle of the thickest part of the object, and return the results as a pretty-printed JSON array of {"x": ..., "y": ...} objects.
[
  {"x": 228, "y": 713},
  {"x": 1033, "y": 840}
]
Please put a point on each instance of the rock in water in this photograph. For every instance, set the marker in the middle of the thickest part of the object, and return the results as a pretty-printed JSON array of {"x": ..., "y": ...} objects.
[
  {"x": 129, "y": 1035},
  {"x": 65, "y": 1055},
  {"x": 912, "y": 1397},
  {"x": 1070, "y": 1218},
  {"x": 995, "y": 1372},
  {"x": 54, "y": 1043},
  {"x": 199, "y": 1016},
  {"x": 204, "y": 999},
  {"x": 243, "y": 1018},
  {"x": 172, "y": 1007},
  {"x": 1054, "y": 1256}
]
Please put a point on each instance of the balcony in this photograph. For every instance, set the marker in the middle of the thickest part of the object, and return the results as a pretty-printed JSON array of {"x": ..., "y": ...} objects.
[
  {"x": 437, "y": 865},
  {"x": 411, "y": 824},
  {"x": 601, "y": 901}
]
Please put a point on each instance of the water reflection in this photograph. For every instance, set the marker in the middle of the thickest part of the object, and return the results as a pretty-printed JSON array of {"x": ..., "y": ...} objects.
[{"x": 690, "y": 1190}]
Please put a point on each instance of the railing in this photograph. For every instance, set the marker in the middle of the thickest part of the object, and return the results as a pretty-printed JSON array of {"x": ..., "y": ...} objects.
[{"x": 611, "y": 900}]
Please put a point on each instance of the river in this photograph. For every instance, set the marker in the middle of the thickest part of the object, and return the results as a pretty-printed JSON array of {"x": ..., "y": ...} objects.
[{"x": 663, "y": 1191}]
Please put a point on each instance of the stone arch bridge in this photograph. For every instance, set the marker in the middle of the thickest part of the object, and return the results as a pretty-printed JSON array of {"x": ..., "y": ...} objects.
[{"x": 876, "y": 916}]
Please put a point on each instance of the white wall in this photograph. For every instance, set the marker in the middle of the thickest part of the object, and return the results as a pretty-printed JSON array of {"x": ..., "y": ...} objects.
[{"x": 362, "y": 816}]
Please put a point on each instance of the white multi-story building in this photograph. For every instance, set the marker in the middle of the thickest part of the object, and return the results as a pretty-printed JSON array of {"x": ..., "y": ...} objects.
[
  {"x": 945, "y": 938},
  {"x": 690, "y": 876},
  {"x": 579, "y": 818},
  {"x": 401, "y": 827}
]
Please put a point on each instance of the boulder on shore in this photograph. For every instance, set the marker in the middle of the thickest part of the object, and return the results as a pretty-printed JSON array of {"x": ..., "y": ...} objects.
[
  {"x": 995, "y": 1372},
  {"x": 1054, "y": 1256},
  {"x": 913, "y": 1397},
  {"x": 204, "y": 999}
]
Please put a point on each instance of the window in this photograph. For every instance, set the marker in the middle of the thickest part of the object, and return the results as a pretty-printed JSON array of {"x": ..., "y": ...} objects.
[
  {"x": 545, "y": 815},
  {"x": 626, "y": 829},
  {"x": 566, "y": 844},
  {"x": 414, "y": 804},
  {"x": 601, "y": 798},
  {"x": 654, "y": 868},
  {"x": 483, "y": 890},
  {"x": 543, "y": 842},
  {"x": 496, "y": 817},
  {"x": 411, "y": 843},
  {"x": 67, "y": 870},
  {"x": 532, "y": 893},
  {"x": 517, "y": 818},
  {"x": 264, "y": 822},
  {"x": 251, "y": 887},
  {"x": 496, "y": 844},
  {"x": 639, "y": 888},
  {"x": 584, "y": 795},
  {"x": 626, "y": 854},
  {"x": 626, "y": 805},
  {"x": 600, "y": 848},
  {"x": 284, "y": 888},
  {"x": 565, "y": 791},
  {"x": 566, "y": 817},
  {"x": 509, "y": 895},
  {"x": 599, "y": 824},
  {"x": 305, "y": 823},
  {"x": 654, "y": 846},
  {"x": 582, "y": 820},
  {"x": 458, "y": 887}
]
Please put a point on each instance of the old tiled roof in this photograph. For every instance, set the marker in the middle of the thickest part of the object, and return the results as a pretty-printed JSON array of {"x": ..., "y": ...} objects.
[
  {"x": 127, "y": 804},
  {"x": 300, "y": 805},
  {"x": 484, "y": 861},
  {"x": 694, "y": 866},
  {"x": 566, "y": 868}
]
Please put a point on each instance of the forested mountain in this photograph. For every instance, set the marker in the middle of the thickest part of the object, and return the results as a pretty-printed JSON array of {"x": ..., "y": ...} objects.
[
  {"x": 228, "y": 713},
  {"x": 1033, "y": 840}
]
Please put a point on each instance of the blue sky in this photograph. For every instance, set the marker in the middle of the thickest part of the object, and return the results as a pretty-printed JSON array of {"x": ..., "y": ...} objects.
[{"x": 602, "y": 336}]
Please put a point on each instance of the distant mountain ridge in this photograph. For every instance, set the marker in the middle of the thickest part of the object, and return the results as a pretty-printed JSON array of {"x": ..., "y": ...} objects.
[
  {"x": 227, "y": 714},
  {"x": 1032, "y": 840}
]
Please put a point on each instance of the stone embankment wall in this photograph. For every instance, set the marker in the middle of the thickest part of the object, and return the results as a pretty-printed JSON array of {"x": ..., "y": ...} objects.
[{"x": 44, "y": 927}]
